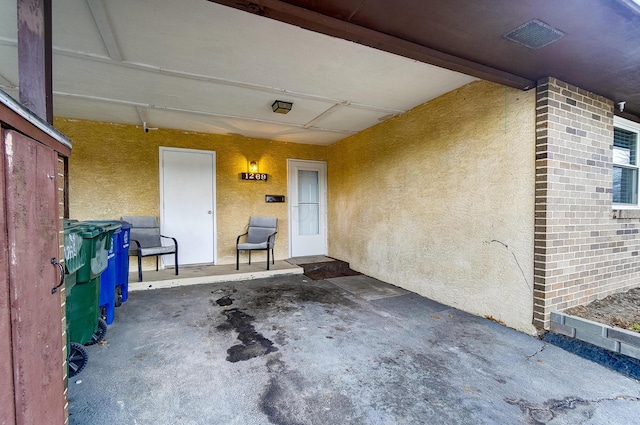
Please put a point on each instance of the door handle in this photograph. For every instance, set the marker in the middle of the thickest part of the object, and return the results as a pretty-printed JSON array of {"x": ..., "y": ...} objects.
[
  {"x": 209, "y": 212},
  {"x": 61, "y": 269}
]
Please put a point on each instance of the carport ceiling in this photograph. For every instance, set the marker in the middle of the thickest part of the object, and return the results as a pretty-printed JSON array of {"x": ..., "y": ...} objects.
[
  {"x": 199, "y": 66},
  {"x": 202, "y": 66},
  {"x": 599, "y": 48}
]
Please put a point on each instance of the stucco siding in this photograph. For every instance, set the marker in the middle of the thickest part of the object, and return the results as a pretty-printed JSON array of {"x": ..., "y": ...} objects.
[
  {"x": 114, "y": 171},
  {"x": 440, "y": 201}
]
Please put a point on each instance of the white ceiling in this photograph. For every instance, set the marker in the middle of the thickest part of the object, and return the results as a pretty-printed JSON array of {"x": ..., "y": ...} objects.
[{"x": 199, "y": 66}]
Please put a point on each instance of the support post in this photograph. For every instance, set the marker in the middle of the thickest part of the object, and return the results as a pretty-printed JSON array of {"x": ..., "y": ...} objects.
[{"x": 34, "y": 57}]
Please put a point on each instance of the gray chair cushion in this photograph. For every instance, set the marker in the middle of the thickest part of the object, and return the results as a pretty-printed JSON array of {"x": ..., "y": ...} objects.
[
  {"x": 257, "y": 221},
  {"x": 141, "y": 220},
  {"x": 148, "y": 237},
  {"x": 251, "y": 246},
  {"x": 146, "y": 230},
  {"x": 260, "y": 228},
  {"x": 260, "y": 235},
  {"x": 157, "y": 250}
]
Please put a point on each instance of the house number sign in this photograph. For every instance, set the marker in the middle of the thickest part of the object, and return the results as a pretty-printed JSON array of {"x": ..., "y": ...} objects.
[{"x": 254, "y": 176}]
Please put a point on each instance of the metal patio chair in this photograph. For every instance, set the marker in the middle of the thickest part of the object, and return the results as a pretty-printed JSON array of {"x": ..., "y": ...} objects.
[
  {"x": 260, "y": 236},
  {"x": 146, "y": 240}
]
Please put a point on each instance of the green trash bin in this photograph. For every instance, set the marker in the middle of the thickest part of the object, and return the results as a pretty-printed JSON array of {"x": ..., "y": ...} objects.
[
  {"x": 74, "y": 260},
  {"x": 96, "y": 243},
  {"x": 87, "y": 260}
]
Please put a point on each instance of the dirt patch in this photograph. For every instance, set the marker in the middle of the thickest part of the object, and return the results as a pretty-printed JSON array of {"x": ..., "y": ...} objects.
[{"x": 620, "y": 310}]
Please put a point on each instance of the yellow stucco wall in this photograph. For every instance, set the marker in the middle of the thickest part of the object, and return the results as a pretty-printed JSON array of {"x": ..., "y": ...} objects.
[
  {"x": 114, "y": 171},
  {"x": 440, "y": 201}
]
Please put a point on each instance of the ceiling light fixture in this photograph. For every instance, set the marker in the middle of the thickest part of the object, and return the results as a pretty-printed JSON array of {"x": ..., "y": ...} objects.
[{"x": 281, "y": 107}]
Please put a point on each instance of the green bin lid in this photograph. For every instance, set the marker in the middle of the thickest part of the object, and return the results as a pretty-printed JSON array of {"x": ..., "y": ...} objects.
[{"x": 107, "y": 225}]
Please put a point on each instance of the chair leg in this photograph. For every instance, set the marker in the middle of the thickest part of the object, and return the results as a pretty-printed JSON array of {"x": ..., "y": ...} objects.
[
  {"x": 249, "y": 257},
  {"x": 176, "y": 261},
  {"x": 139, "y": 268},
  {"x": 273, "y": 257},
  {"x": 237, "y": 259},
  {"x": 268, "y": 259}
]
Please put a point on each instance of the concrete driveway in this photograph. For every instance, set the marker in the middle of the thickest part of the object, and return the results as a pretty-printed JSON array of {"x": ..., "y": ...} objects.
[{"x": 351, "y": 350}]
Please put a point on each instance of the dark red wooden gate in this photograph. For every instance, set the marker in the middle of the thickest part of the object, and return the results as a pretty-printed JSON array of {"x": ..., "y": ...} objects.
[
  {"x": 35, "y": 313},
  {"x": 32, "y": 363}
]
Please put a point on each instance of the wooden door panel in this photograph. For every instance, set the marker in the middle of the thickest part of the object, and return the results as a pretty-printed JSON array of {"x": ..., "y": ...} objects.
[
  {"x": 7, "y": 398},
  {"x": 36, "y": 318}
]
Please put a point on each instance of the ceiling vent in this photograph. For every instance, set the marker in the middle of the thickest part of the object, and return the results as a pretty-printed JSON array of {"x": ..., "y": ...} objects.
[{"x": 534, "y": 34}]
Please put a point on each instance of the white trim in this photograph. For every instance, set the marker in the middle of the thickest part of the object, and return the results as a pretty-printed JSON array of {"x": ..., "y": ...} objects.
[
  {"x": 41, "y": 124},
  {"x": 625, "y": 124},
  {"x": 213, "y": 194},
  {"x": 629, "y": 125},
  {"x": 323, "y": 201},
  {"x": 205, "y": 280}
]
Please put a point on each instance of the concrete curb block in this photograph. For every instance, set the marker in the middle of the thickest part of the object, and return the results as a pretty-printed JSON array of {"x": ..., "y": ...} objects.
[
  {"x": 613, "y": 339},
  {"x": 173, "y": 283}
]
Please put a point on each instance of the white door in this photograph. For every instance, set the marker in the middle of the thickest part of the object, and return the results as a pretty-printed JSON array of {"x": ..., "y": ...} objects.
[
  {"x": 187, "y": 197},
  {"x": 307, "y": 208}
]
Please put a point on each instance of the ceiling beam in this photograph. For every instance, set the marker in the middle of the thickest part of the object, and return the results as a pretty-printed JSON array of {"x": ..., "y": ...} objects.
[
  {"x": 147, "y": 106},
  {"x": 104, "y": 27},
  {"x": 209, "y": 79},
  {"x": 314, "y": 21}
]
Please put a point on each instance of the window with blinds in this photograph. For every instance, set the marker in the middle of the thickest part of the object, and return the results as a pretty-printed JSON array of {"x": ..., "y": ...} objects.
[{"x": 625, "y": 166}]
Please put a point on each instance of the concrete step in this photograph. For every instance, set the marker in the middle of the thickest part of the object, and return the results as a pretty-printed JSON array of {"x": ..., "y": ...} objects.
[{"x": 328, "y": 269}]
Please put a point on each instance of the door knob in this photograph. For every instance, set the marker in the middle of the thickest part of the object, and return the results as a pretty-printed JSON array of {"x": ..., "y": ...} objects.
[{"x": 210, "y": 212}]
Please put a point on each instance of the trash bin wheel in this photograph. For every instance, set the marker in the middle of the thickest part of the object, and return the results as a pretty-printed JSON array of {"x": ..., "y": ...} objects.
[
  {"x": 77, "y": 359},
  {"x": 100, "y": 333},
  {"x": 118, "y": 302}
]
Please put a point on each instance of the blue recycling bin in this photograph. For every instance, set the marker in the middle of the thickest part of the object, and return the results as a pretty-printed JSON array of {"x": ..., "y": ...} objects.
[
  {"x": 122, "y": 263},
  {"x": 109, "y": 277}
]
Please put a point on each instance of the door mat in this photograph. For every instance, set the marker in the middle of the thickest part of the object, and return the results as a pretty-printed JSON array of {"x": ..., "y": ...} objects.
[{"x": 328, "y": 270}]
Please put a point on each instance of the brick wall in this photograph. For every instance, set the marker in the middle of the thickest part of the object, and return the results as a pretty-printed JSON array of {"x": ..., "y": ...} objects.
[{"x": 583, "y": 250}]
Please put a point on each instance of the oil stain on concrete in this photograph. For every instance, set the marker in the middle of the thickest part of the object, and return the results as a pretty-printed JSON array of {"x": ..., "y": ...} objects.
[
  {"x": 254, "y": 344},
  {"x": 291, "y": 399}
]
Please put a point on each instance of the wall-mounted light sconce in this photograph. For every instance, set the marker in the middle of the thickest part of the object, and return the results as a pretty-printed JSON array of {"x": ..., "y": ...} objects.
[
  {"x": 281, "y": 107},
  {"x": 253, "y": 172}
]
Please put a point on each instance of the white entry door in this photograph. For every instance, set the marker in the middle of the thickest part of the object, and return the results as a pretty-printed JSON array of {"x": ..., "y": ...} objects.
[
  {"x": 187, "y": 197},
  {"x": 307, "y": 208}
]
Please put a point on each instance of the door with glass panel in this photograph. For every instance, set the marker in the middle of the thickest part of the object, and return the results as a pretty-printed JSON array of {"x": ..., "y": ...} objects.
[{"x": 307, "y": 208}]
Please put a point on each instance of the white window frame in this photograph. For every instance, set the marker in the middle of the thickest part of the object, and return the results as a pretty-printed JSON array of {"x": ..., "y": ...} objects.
[{"x": 628, "y": 125}]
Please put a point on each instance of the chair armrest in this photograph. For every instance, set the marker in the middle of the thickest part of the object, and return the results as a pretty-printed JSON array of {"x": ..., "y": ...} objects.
[
  {"x": 137, "y": 247},
  {"x": 175, "y": 242},
  {"x": 239, "y": 236},
  {"x": 273, "y": 235}
]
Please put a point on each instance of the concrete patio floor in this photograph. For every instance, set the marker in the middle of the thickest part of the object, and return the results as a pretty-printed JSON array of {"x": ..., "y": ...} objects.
[
  {"x": 286, "y": 350},
  {"x": 198, "y": 274}
]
